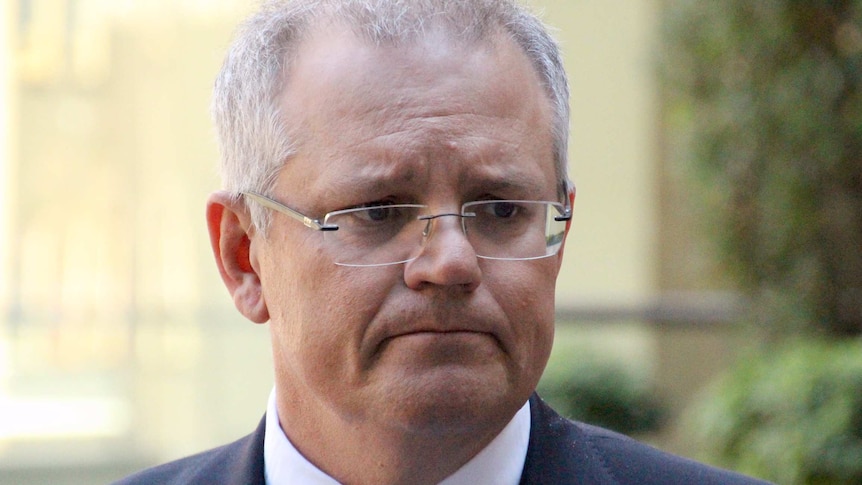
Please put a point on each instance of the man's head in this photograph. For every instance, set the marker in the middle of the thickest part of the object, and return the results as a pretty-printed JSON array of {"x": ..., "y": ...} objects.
[{"x": 410, "y": 103}]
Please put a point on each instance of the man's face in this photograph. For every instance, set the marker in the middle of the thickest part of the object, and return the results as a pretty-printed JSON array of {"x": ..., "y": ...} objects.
[{"x": 446, "y": 341}]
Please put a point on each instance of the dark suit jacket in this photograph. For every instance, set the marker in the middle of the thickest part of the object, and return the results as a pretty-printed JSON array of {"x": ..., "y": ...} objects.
[{"x": 560, "y": 452}]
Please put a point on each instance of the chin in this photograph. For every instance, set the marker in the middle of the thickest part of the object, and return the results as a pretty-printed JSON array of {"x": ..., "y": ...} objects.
[{"x": 459, "y": 400}]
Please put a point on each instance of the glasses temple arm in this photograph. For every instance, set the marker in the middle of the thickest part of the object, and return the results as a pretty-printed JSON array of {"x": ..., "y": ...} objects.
[{"x": 279, "y": 207}]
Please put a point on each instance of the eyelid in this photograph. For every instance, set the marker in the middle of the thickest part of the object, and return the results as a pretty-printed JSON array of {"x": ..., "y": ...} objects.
[
  {"x": 494, "y": 198},
  {"x": 373, "y": 203},
  {"x": 379, "y": 203}
]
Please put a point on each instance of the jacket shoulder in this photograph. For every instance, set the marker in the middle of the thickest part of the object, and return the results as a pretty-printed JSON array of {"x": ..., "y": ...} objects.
[
  {"x": 630, "y": 461},
  {"x": 240, "y": 462},
  {"x": 568, "y": 452}
]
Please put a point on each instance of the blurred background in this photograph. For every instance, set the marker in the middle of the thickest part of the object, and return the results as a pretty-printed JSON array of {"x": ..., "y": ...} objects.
[{"x": 710, "y": 301}]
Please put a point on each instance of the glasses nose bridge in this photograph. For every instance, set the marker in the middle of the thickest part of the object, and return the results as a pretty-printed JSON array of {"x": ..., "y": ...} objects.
[{"x": 426, "y": 230}]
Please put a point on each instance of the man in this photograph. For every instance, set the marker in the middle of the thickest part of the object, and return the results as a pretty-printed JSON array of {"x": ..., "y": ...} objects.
[{"x": 395, "y": 206}]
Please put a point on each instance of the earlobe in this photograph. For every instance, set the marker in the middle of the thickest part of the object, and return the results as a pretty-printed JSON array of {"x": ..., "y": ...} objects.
[{"x": 231, "y": 233}]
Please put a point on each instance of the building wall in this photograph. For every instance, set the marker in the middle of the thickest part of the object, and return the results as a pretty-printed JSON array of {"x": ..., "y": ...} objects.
[{"x": 608, "y": 46}]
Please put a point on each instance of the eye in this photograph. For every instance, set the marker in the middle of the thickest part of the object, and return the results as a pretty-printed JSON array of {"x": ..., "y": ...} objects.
[
  {"x": 378, "y": 213},
  {"x": 381, "y": 213},
  {"x": 502, "y": 209}
]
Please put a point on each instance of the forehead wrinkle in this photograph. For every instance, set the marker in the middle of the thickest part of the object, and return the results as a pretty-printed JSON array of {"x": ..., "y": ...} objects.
[
  {"x": 374, "y": 177},
  {"x": 447, "y": 131}
]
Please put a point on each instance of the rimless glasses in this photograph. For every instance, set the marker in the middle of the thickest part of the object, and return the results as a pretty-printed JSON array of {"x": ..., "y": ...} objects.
[{"x": 384, "y": 234}]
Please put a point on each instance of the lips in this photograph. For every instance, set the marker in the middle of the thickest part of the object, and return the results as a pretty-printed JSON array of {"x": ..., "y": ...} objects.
[
  {"x": 444, "y": 335},
  {"x": 434, "y": 326}
]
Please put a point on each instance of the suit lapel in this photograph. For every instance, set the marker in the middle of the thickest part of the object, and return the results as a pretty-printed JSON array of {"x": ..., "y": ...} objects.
[{"x": 558, "y": 452}]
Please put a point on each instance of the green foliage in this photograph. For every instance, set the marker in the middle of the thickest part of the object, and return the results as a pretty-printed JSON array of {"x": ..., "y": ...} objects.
[
  {"x": 765, "y": 98},
  {"x": 792, "y": 415},
  {"x": 603, "y": 394}
]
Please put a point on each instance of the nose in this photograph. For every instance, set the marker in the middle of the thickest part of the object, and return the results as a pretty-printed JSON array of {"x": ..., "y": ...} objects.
[{"x": 446, "y": 259}]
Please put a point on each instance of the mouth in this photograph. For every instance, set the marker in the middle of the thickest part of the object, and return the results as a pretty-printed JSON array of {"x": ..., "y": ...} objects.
[
  {"x": 432, "y": 333},
  {"x": 424, "y": 330},
  {"x": 441, "y": 342}
]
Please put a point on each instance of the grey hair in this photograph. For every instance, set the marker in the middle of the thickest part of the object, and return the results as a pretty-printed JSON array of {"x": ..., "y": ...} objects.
[{"x": 249, "y": 121}]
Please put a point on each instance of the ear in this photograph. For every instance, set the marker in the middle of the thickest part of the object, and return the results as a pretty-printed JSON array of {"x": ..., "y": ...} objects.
[{"x": 231, "y": 235}]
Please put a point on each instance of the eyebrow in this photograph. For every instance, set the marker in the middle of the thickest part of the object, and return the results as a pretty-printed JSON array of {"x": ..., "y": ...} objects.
[
  {"x": 502, "y": 179},
  {"x": 376, "y": 177},
  {"x": 372, "y": 178}
]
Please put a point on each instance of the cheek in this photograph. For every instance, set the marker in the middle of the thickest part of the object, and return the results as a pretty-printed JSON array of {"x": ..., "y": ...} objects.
[
  {"x": 321, "y": 316},
  {"x": 526, "y": 288},
  {"x": 526, "y": 295}
]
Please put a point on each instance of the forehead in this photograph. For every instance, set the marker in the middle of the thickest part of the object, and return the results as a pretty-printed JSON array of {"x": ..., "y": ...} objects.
[{"x": 430, "y": 100}]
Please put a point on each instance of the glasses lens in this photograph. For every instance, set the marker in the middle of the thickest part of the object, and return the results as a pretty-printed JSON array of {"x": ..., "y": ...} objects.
[
  {"x": 376, "y": 235},
  {"x": 514, "y": 229},
  {"x": 497, "y": 229}
]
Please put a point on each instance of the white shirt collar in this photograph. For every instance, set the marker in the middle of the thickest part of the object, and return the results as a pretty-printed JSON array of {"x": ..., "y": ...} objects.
[{"x": 501, "y": 462}]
